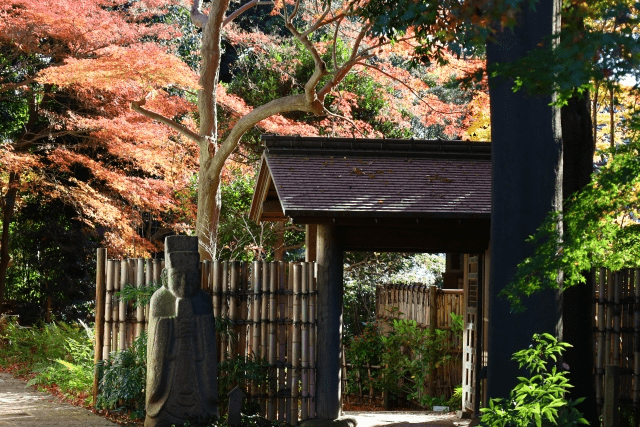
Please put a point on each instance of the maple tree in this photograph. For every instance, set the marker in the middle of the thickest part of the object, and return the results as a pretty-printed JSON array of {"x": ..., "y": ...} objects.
[{"x": 81, "y": 144}]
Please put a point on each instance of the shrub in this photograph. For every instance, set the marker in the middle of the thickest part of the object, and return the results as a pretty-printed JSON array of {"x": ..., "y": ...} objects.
[
  {"x": 73, "y": 373},
  {"x": 538, "y": 399},
  {"x": 123, "y": 379}
]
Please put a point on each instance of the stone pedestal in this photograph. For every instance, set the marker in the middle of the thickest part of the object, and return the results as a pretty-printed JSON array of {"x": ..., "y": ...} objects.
[{"x": 182, "y": 370}]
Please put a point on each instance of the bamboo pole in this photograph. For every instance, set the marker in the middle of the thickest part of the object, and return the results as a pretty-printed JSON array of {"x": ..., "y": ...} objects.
[
  {"x": 264, "y": 330},
  {"x": 115, "y": 316},
  {"x": 255, "y": 311},
  {"x": 433, "y": 320},
  {"x": 243, "y": 311},
  {"x": 148, "y": 274},
  {"x": 282, "y": 298},
  {"x": 101, "y": 257},
  {"x": 636, "y": 349},
  {"x": 313, "y": 327},
  {"x": 296, "y": 343},
  {"x": 233, "y": 306},
  {"x": 139, "y": 285},
  {"x": 111, "y": 268},
  {"x": 600, "y": 358},
  {"x": 264, "y": 321},
  {"x": 616, "y": 319},
  {"x": 273, "y": 285},
  {"x": 609, "y": 320},
  {"x": 304, "y": 356},
  {"x": 205, "y": 273},
  {"x": 224, "y": 309},
  {"x": 216, "y": 299},
  {"x": 122, "y": 307}
]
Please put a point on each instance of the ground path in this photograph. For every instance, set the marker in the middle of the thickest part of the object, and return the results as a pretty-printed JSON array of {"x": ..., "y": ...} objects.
[{"x": 22, "y": 406}]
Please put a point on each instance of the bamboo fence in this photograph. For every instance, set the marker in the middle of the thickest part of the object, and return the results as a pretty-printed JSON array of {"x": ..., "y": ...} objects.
[
  {"x": 616, "y": 311},
  {"x": 429, "y": 307},
  {"x": 271, "y": 307}
]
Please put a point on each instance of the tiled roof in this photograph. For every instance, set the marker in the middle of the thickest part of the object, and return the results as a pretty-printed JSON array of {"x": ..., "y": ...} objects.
[{"x": 333, "y": 178}]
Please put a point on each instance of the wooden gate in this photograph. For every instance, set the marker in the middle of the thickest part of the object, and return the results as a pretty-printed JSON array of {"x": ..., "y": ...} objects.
[{"x": 472, "y": 334}]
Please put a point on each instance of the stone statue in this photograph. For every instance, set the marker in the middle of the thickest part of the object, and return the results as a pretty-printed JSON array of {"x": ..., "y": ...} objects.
[{"x": 182, "y": 369}]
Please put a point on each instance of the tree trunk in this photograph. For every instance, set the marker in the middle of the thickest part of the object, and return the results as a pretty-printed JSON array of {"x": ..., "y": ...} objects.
[
  {"x": 209, "y": 179},
  {"x": 9, "y": 204},
  {"x": 579, "y": 147},
  {"x": 526, "y": 155}
]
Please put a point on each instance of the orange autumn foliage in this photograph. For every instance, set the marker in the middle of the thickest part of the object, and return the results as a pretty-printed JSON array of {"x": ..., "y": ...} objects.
[{"x": 96, "y": 154}]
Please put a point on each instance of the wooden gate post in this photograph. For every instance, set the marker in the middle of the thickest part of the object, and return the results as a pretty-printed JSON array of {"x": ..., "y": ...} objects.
[{"x": 330, "y": 292}]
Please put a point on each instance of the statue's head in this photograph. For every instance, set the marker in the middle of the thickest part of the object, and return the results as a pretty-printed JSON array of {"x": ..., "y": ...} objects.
[{"x": 182, "y": 263}]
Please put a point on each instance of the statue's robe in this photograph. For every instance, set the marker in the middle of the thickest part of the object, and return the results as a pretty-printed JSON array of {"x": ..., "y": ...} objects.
[{"x": 182, "y": 355}]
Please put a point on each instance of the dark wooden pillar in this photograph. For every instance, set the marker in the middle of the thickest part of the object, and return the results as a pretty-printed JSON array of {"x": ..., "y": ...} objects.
[
  {"x": 526, "y": 158},
  {"x": 311, "y": 239},
  {"x": 329, "y": 323}
]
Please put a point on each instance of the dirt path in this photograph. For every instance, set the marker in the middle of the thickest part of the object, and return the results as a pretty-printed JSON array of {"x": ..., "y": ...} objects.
[
  {"x": 22, "y": 406},
  {"x": 407, "y": 419}
]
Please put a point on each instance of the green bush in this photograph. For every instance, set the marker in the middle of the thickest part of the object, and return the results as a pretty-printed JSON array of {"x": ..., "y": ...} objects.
[
  {"x": 73, "y": 373},
  {"x": 123, "y": 379},
  {"x": 407, "y": 355},
  {"x": 539, "y": 398}
]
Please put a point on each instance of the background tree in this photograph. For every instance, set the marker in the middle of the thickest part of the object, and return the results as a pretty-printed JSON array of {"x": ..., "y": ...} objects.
[
  {"x": 80, "y": 145},
  {"x": 331, "y": 35}
]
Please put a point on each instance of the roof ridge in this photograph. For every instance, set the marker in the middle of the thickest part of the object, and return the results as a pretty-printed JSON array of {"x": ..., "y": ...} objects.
[{"x": 373, "y": 146}]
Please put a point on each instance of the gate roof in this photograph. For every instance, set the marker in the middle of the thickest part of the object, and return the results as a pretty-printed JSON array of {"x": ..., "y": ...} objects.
[{"x": 370, "y": 182}]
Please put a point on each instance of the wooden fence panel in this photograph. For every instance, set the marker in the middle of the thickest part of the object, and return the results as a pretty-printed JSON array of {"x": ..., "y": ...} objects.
[
  {"x": 429, "y": 308},
  {"x": 617, "y": 332}
]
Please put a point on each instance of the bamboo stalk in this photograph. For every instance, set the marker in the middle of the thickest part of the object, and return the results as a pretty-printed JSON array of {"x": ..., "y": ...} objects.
[
  {"x": 101, "y": 257},
  {"x": 148, "y": 272},
  {"x": 255, "y": 311},
  {"x": 264, "y": 330},
  {"x": 205, "y": 276},
  {"x": 115, "y": 318},
  {"x": 233, "y": 305},
  {"x": 139, "y": 285},
  {"x": 609, "y": 319},
  {"x": 264, "y": 324},
  {"x": 224, "y": 309},
  {"x": 106, "y": 349},
  {"x": 313, "y": 325},
  {"x": 122, "y": 307},
  {"x": 636, "y": 349},
  {"x": 616, "y": 319},
  {"x": 281, "y": 339},
  {"x": 296, "y": 343},
  {"x": 304, "y": 356},
  {"x": 273, "y": 285},
  {"x": 243, "y": 310}
]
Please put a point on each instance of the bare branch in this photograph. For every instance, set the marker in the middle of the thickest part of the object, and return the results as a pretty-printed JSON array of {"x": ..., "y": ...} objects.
[
  {"x": 13, "y": 86},
  {"x": 320, "y": 22},
  {"x": 243, "y": 9},
  {"x": 137, "y": 106}
]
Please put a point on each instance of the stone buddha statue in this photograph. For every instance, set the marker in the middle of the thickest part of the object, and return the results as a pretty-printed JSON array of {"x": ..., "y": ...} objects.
[{"x": 182, "y": 369}]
